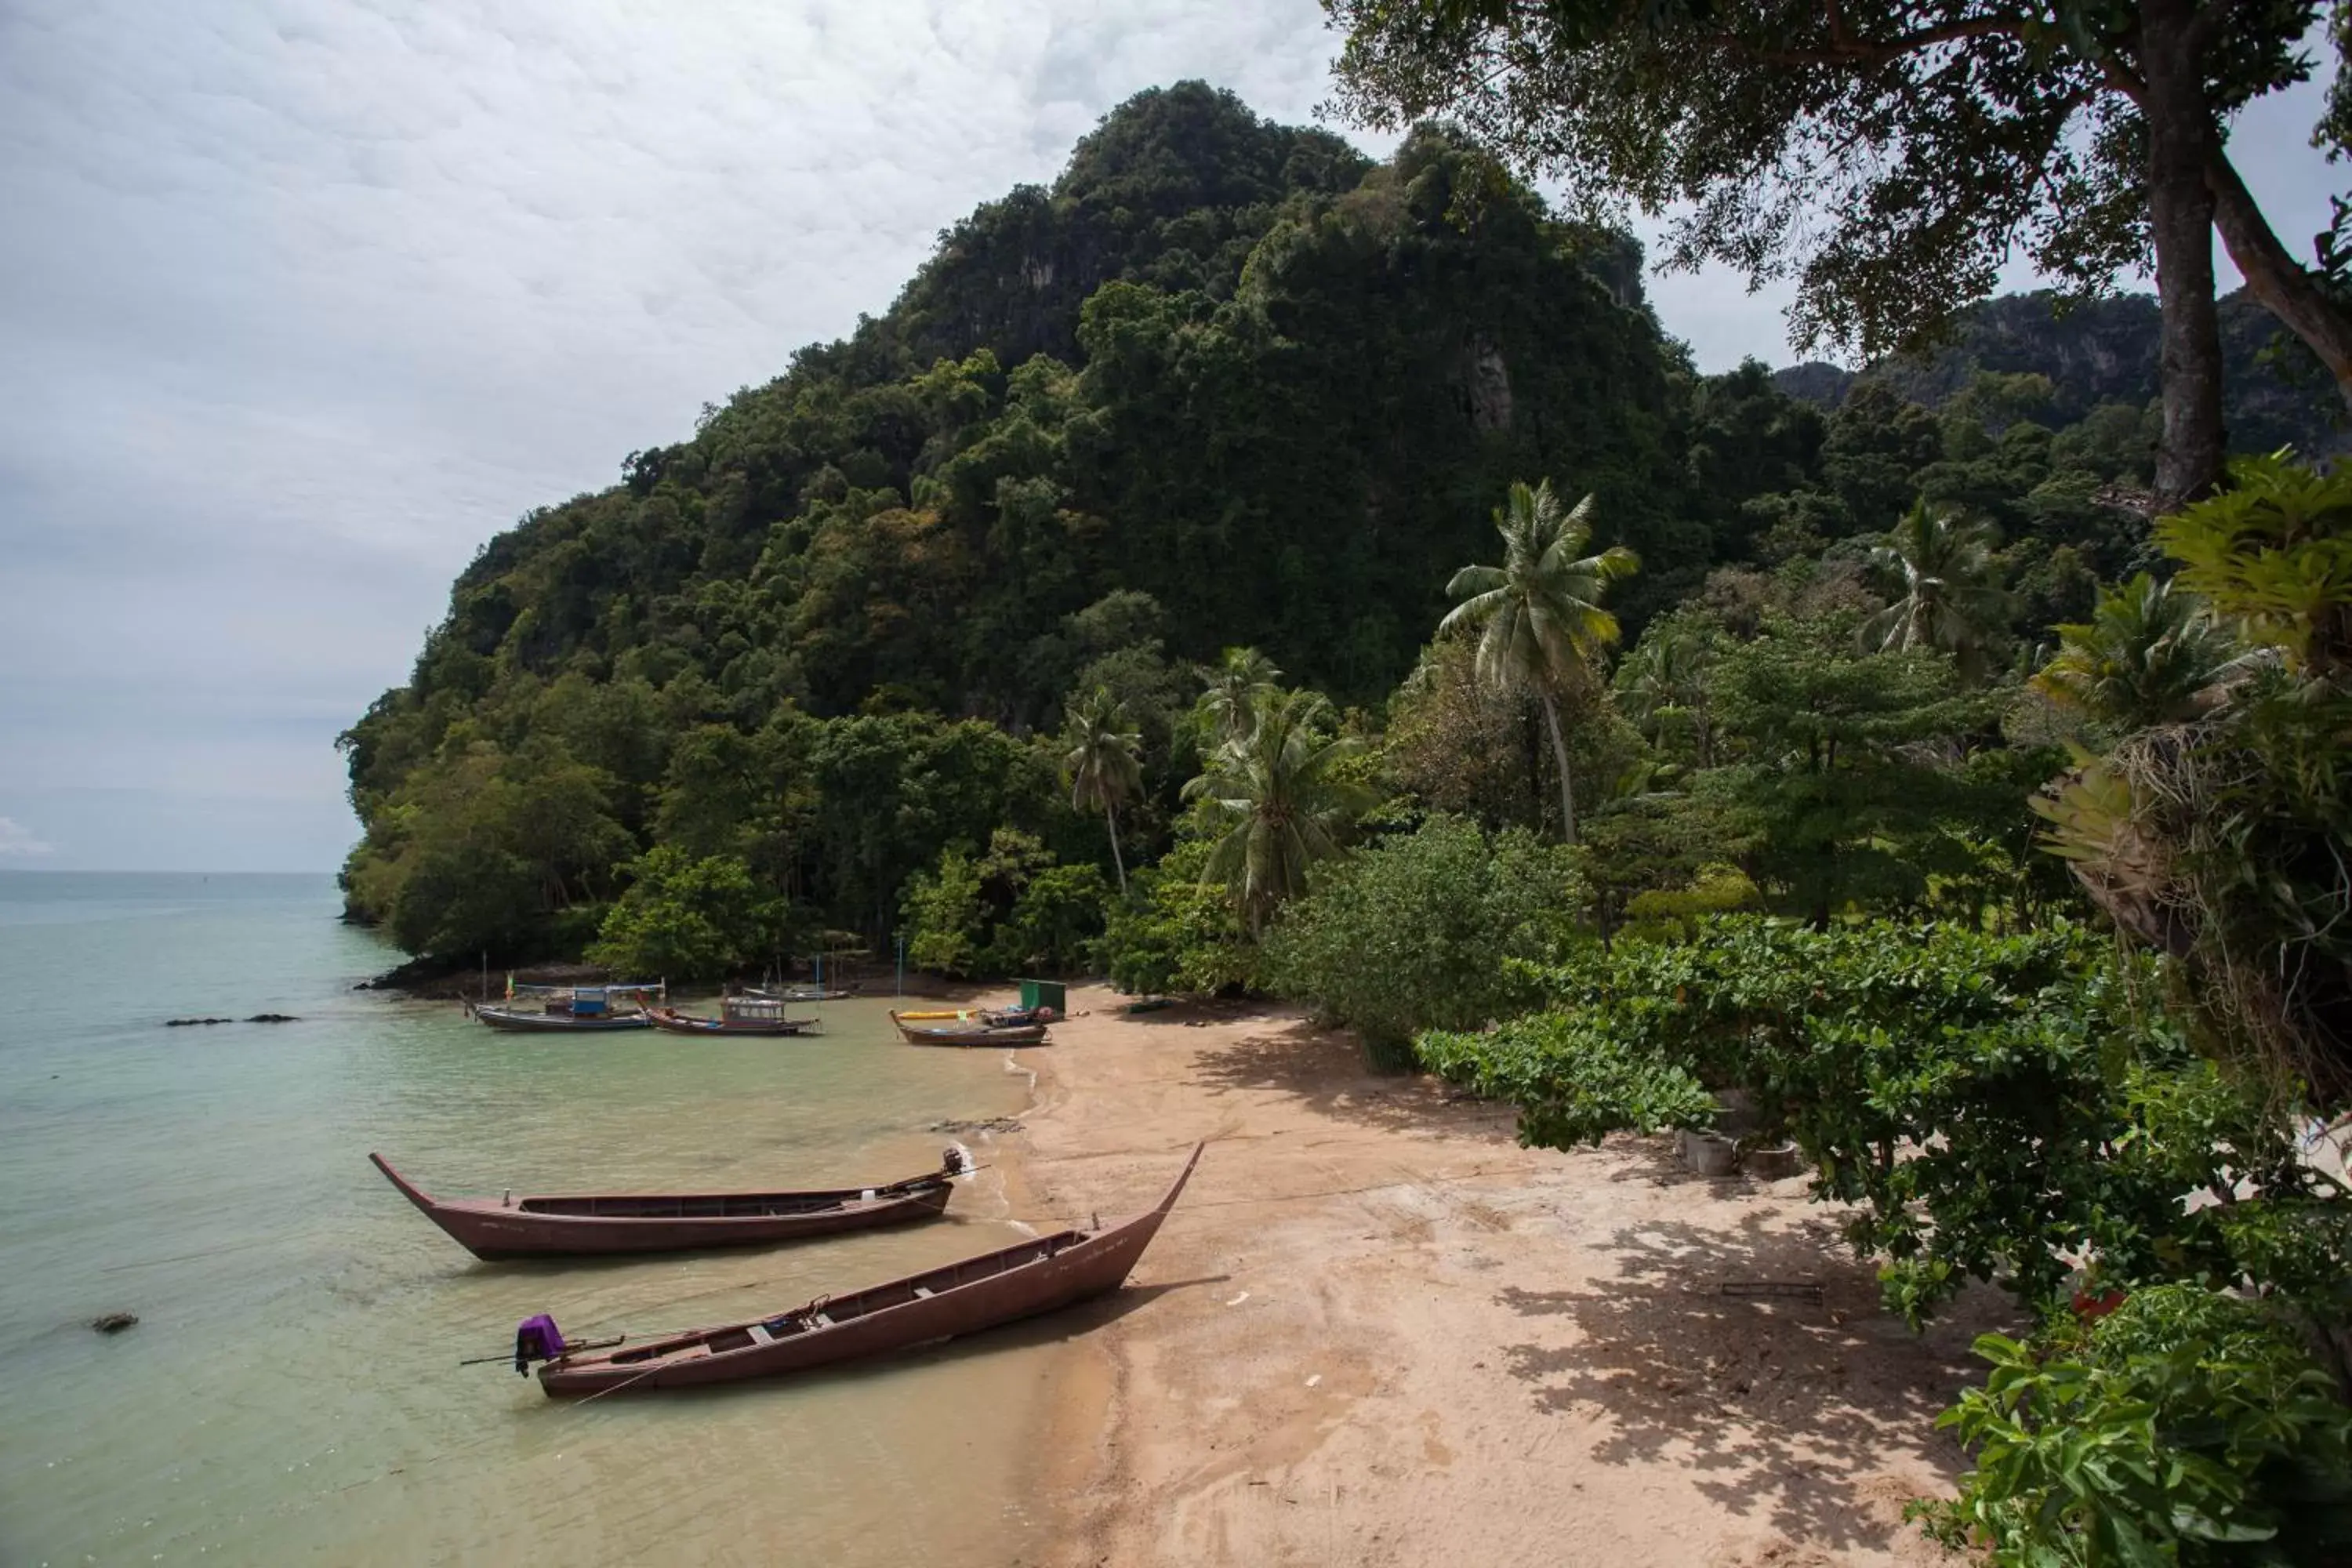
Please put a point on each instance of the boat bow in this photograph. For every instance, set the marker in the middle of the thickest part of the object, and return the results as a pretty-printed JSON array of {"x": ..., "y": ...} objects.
[{"x": 408, "y": 1189}]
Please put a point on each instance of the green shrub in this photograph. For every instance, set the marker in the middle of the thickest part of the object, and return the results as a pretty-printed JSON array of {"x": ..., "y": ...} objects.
[
  {"x": 947, "y": 917},
  {"x": 1418, "y": 932},
  {"x": 687, "y": 918},
  {"x": 1572, "y": 1083},
  {"x": 2185, "y": 1428},
  {"x": 1012, "y": 910},
  {"x": 1992, "y": 1107},
  {"x": 1175, "y": 933}
]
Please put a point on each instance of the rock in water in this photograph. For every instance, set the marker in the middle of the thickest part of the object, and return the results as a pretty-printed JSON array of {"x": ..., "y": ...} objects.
[
  {"x": 114, "y": 1322},
  {"x": 273, "y": 1018}
]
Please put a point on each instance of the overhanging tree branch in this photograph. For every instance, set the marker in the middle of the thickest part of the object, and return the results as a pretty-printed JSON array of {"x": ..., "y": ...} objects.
[{"x": 2283, "y": 286}]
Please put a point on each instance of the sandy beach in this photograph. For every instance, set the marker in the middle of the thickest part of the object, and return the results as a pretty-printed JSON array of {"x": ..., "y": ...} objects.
[{"x": 1379, "y": 1332}]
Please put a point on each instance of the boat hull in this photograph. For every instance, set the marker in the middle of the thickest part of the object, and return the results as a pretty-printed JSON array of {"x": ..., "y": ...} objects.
[
  {"x": 492, "y": 1229},
  {"x": 674, "y": 1023},
  {"x": 933, "y": 1034},
  {"x": 557, "y": 1024},
  {"x": 976, "y": 1294}
]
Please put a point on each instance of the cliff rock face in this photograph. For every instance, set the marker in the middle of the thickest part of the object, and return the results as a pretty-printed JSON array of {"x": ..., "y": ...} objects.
[
  {"x": 2104, "y": 350},
  {"x": 1486, "y": 381}
]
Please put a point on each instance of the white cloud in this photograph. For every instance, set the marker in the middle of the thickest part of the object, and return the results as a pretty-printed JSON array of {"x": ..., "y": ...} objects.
[
  {"x": 306, "y": 299},
  {"x": 18, "y": 842}
]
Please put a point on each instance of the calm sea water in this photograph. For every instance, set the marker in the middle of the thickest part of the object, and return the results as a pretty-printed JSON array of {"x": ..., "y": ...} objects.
[{"x": 291, "y": 1392}]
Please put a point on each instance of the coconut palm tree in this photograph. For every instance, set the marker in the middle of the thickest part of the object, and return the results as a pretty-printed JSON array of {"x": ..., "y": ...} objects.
[
  {"x": 1236, "y": 684},
  {"x": 1276, "y": 789},
  {"x": 2144, "y": 657},
  {"x": 1102, "y": 764},
  {"x": 1951, "y": 598},
  {"x": 1538, "y": 615},
  {"x": 1667, "y": 671}
]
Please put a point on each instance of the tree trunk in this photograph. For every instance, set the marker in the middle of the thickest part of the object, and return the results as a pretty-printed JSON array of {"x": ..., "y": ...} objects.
[
  {"x": 2180, "y": 134},
  {"x": 2275, "y": 278},
  {"x": 1118, "y": 862},
  {"x": 1559, "y": 755}
]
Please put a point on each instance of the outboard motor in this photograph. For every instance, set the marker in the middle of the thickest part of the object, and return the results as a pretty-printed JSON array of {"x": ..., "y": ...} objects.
[
  {"x": 952, "y": 1160},
  {"x": 537, "y": 1339}
]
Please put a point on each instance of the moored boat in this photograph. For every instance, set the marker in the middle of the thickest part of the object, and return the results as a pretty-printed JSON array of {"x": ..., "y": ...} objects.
[
  {"x": 571, "y": 1009},
  {"x": 758, "y": 1015},
  {"x": 591, "y": 1223},
  {"x": 982, "y": 1292},
  {"x": 975, "y": 1033},
  {"x": 992, "y": 1017}
]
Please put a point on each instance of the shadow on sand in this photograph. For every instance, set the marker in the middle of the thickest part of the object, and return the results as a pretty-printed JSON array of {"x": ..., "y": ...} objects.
[
  {"x": 1778, "y": 1404},
  {"x": 1324, "y": 1072}
]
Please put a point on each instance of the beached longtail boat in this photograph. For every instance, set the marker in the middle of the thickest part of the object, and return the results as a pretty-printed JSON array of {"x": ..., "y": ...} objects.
[
  {"x": 992, "y": 1017},
  {"x": 964, "y": 1298},
  {"x": 972, "y": 1034},
  {"x": 585, "y": 1224},
  {"x": 737, "y": 1016},
  {"x": 571, "y": 1009}
]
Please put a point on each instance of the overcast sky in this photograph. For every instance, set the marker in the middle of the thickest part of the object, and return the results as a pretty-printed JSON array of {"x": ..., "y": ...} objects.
[{"x": 304, "y": 299}]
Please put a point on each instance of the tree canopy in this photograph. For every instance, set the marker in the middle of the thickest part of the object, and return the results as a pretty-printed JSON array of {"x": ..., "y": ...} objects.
[{"x": 1890, "y": 157}]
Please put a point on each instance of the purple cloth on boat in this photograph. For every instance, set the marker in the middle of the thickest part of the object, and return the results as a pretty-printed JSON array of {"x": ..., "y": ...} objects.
[{"x": 537, "y": 1339}]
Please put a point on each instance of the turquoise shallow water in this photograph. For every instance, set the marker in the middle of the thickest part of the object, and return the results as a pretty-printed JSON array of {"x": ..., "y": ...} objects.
[{"x": 291, "y": 1392}]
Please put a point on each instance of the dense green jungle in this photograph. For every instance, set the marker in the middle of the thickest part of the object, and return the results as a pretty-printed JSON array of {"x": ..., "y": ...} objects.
[
  {"x": 1226, "y": 384},
  {"x": 1247, "y": 566}
]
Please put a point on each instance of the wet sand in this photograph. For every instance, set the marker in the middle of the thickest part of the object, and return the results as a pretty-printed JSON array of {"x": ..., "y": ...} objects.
[{"x": 1377, "y": 1331}]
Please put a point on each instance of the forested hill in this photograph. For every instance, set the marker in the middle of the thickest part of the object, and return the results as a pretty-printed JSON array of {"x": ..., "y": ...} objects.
[
  {"x": 1225, "y": 383},
  {"x": 2104, "y": 350}
]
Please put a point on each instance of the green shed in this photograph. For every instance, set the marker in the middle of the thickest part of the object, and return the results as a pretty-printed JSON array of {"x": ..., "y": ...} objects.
[{"x": 1045, "y": 993}]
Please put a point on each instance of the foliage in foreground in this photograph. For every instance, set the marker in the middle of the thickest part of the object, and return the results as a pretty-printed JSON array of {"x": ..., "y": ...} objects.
[
  {"x": 2185, "y": 1428},
  {"x": 2221, "y": 842},
  {"x": 1995, "y": 1108},
  {"x": 1418, "y": 932}
]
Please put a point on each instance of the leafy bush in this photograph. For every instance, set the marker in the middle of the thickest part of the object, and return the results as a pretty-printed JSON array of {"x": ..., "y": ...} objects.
[
  {"x": 687, "y": 918},
  {"x": 2184, "y": 1427},
  {"x": 1056, "y": 923},
  {"x": 1419, "y": 930},
  {"x": 1174, "y": 933},
  {"x": 2220, "y": 842},
  {"x": 947, "y": 917},
  {"x": 1573, "y": 1083},
  {"x": 1010, "y": 910},
  {"x": 1716, "y": 889},
  {"x": 1995, "y": 1108}
]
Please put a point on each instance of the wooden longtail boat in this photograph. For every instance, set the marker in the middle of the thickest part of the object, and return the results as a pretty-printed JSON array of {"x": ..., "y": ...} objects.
[
  {"x": 799, "y": 993},
  {"x": 964, "y": 1298},
  {"x": 587, "y": 1225},
  {"x": 515, "y": 1021},
  {"x": 737, "y": 1016},
  {"x": 993, "y": 1017},
  {"x": 571, "y": 1009},
  {"x": 972, "y": 1034}
]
